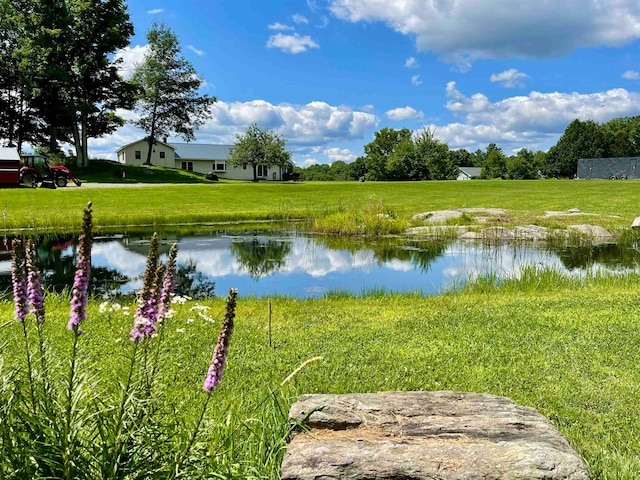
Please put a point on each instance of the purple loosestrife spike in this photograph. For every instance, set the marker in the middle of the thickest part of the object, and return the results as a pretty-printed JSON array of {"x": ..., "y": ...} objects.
[
  {"x": 83, "y": 273},
  {"x": 34, "y": 283},
  {"x": 19, "y": 280},
  {"x": 169, "y": 282},
  {"x": 147, "y": 312},
  {"x": 214, "y": 374}
]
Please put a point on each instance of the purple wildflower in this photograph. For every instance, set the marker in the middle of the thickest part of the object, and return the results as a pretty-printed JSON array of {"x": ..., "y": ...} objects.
[
  {"x": 169, "y": 282},
  {"x": 34, "y": 283},
  {"x": 147, "y": 312},
  {"x": 83, "y": 273},
  {"x": 214, "y": 374},
  {"x": 19, "y": 280}
]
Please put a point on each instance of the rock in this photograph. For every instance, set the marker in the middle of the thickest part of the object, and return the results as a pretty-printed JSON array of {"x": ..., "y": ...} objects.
[
  {"x": 437, "y": 216},
  {"x": 636, "y": 222},
  {"x": 496, "y": 234},
  {"x": 425, "y": 435},
  {"x": 531, "y": 232},
  {"x": 470, "y": 236},
  {"x": 591, "y": 231},
  {"x": 489, "y": 211}
]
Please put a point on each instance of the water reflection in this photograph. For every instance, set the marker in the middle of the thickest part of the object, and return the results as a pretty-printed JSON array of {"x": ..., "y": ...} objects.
[{"x": 302, "y": 266}]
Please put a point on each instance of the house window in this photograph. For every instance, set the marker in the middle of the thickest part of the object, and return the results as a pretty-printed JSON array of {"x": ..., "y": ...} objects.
[
  {"x": 187, "y": 166},
  {"x": 138, "y": 154},
  {"x": 219, "y": 167},
  {"x": 244, "y": 167},
  {"x": 262, "y": 170},
  {"x": 161, "y": 154}
]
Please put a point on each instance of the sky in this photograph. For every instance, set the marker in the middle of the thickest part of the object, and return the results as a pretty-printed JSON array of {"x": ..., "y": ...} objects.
[{"x": 328, "y": 74}]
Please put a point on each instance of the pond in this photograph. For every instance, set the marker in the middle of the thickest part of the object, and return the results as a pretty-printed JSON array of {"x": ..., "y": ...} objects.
[{"x": 308, "y": 266}]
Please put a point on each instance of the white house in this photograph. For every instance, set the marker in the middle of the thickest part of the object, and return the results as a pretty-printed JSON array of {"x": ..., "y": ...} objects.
[
  {"x": 194, "y": 157},
  {"x": 468, "y": 173}
]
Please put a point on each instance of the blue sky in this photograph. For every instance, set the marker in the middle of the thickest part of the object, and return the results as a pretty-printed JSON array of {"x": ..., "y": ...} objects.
[{"x": 327, "y": 74}]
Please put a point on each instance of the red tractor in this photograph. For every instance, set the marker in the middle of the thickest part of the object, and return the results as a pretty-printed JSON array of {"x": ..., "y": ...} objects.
[{"x": 37, "y": 170}]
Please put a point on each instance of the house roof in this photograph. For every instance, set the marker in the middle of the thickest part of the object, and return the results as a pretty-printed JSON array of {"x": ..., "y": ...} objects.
[
  {"x": 141, "y": 141},
  {"x": 471, "y": 171},
  {"x": 201, "y": 151},
  {"x": 9, "y": 153}
]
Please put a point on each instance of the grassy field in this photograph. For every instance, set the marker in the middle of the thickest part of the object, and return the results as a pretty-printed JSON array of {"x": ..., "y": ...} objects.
[
  {"x": 612, "y": 205},
  {"x": 566, "y": 347}
]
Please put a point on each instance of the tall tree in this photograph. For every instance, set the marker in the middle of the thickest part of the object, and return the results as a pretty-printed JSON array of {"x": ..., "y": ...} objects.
[
  {"x": 259, "y": 146},
  {"x": 378, "y": 152},
  {"x": 169, "y": 101},
  {"x": 98, "y": 29},
  {"x": 579, "y": 140},
  {"x": 494, "y": 163},
  {"x": 56, "y": 74},
  {"x": 435, "y": 156}
]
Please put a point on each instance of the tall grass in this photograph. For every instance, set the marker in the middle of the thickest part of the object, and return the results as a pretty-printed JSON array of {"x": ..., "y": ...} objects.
[{"x": 66, "y": 416}]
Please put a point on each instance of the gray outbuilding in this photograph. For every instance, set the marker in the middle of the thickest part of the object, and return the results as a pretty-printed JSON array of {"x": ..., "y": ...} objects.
[{"x": 620, "y": 168}]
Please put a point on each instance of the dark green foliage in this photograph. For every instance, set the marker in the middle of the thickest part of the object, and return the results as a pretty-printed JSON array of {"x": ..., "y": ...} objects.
[
  {"x": 580, "y": 140},
  {"x": 494, "y": 163},
  {"x": 522, "y": 166},
  {"x": 56, "y": 58},
  {"x": 259, "y": 146}
]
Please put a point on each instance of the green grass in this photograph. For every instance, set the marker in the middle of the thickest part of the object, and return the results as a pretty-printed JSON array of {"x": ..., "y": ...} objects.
[
  {"x": 567, "y": 347},
  {"x": 106, "y": 171},
  {"x": 612, "y": 205}
]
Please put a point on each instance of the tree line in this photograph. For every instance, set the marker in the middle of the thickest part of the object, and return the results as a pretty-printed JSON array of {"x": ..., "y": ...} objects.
[
  {"x": 406, "y": 155},
  {"x": 59, "y": 82}
]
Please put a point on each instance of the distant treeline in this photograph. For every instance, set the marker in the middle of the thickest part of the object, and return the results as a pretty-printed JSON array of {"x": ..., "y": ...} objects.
[{"x": 406, "y": 155}]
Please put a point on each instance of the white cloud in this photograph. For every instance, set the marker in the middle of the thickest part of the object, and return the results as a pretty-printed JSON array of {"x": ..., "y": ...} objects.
[
  {"x": 415, "y": 80},
  {"x": 340, "y": 154},
  {"x": 307, "y": 162},
  {"x": 315, "y": 123},
  {"x": 461, "y": 31},
  {"x": 509, "y": 78},
  {"x": 368, "y": 107},
  {"x": 155, "y": 11},
  {"x": 291, "y": 43},
  {"x": 129, "y": 58},
  {"x": 631, "y": 75},
  {"x": 297, "y": 18},
  {"x": 200, "y": 53},
  {"x": 280, "y": 26},
  {"x": 312, "y": 5},
  {"x": 534, "y": 121},
  {"x": 411, "y": 62},
  {"x": 404, "y": 113}
]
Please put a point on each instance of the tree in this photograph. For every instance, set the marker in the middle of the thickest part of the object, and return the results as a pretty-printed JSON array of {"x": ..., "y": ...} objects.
[
  {"x": 522, "y": 166},
  {"x": 168, "y": 99},
  {"x": 579, "y": 140},
  {"x": 434, "y": 157},
  {"x": 259, "y": 146},
  {"x": 378, "y": 152},
  {"x": 66, "y": 79},
  {"x": 494, "y": 164}
]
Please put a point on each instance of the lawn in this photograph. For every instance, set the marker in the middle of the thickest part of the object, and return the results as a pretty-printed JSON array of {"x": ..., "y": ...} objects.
[
  {"x": 566, "y": 347},
  {"x": 612, "y": 205}
]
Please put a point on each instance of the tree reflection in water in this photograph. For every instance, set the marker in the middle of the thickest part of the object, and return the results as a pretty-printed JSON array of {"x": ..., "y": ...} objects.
[
  {"x": 418, "y": 253},
  {"x": 192, "y": 283},
  {"x": 260, "y": 257}
]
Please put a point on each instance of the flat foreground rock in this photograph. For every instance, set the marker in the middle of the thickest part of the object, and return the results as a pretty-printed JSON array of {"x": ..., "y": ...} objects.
[{"x": 425, "y": 435}]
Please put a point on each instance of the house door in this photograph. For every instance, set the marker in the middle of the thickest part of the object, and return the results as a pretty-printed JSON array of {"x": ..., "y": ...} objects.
[
  {"x": 590, "y": 169},
  {"x": 633, "y": 168}
]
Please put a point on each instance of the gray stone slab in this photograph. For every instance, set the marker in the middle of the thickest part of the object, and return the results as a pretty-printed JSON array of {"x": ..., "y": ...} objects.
[{"x": 425, "y": 435}]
